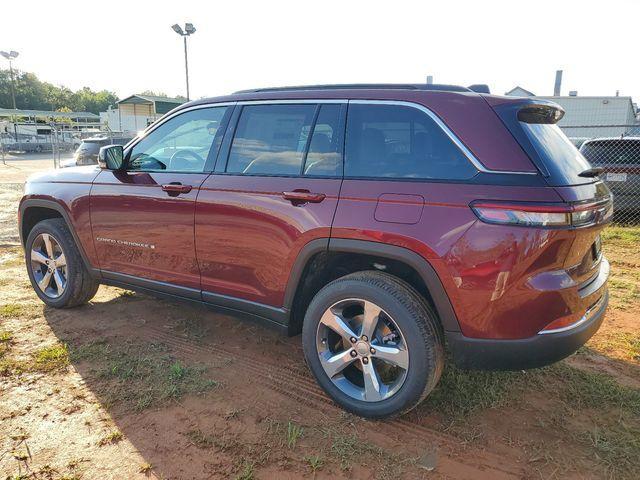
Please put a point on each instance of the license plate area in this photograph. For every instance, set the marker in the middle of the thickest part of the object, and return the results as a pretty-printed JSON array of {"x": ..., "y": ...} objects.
[{"x": 616, "y": 177}]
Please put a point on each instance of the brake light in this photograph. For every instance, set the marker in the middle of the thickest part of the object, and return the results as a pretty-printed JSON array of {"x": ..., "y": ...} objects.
[
  {"x": 543, "y": 215},
  {"x": 546, "y": 113}
]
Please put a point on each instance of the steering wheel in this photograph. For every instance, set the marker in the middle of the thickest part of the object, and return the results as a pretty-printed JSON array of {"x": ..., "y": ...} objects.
[{"x": 179, "y": 160}]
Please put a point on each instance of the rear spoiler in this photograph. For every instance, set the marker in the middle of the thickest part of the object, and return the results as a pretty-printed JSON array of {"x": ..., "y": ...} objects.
[{"x": 479, "y": 88}]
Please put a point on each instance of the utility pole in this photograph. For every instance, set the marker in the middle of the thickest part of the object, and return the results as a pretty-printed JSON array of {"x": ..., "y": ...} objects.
[
  {"x": 189, "y": 29},
  {"x": 12, "y": 55}
]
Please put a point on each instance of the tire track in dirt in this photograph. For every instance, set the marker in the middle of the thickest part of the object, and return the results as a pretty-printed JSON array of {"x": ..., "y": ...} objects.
[{"x": 285, "y": 379}]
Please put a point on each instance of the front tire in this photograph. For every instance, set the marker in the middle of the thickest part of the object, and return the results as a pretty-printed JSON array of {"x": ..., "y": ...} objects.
[
  {"x": 56, "y": 270},
  {"x": 373, "y": 344}
]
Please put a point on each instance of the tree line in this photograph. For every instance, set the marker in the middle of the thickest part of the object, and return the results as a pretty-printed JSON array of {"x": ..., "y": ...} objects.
[{"x": 34, "y": 94}]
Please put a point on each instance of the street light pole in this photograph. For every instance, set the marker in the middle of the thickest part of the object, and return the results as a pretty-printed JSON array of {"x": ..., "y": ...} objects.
[
  {"x": 186, "y": 64},
  {"x": 11, "y": 56},
  {"x": 189, "y": 29}
]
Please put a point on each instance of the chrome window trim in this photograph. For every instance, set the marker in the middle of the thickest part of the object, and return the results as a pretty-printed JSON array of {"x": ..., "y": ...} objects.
[{"x": 452, "y": 136}]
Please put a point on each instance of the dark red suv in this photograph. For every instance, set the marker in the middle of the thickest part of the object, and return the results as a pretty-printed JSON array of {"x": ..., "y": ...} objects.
[{"x": 386, "y": 223}]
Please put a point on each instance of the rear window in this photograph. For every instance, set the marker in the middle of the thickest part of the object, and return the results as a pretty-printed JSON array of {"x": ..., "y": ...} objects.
[
  {"x": 90, "y": 147},
  {"x": 614, "y": 151},
  {"x": 400, "y": 142},
  {"x": 559, "y": 155}
]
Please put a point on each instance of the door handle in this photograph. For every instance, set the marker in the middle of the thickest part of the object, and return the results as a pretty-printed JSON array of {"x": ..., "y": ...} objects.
[
  {"x": 301, "y": 196},
  {"x": 176, "y": 188}
]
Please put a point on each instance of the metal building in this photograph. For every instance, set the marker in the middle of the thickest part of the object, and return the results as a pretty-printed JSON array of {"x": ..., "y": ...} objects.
[{"x": 137, "y": 112}]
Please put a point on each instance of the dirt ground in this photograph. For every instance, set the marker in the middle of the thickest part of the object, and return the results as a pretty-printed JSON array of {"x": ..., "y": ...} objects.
[{"x": 129, "y": 386}]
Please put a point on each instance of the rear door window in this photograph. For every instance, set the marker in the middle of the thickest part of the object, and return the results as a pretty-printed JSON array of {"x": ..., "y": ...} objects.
[
  {"x": 271, "y": 139},
  {"x": 324, "y": 157},
  {"x": 398, "y": 141}
]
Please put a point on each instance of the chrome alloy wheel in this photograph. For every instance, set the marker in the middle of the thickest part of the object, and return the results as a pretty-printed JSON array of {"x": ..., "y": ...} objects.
[
  {"x": 49, "y": 265},
  {"x": 362, "y": 350}
]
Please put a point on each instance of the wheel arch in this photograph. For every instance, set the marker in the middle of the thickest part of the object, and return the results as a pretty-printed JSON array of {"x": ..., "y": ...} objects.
[
  {"x": 32, "y": 211},
  {"x": 319, "y": 262}
]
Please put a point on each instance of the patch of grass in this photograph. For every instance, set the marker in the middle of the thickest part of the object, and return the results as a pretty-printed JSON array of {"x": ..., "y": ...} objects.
[
  {"x": 203, "y": 440},
  {"x": 294, "y": 432},
  {"x": 619, "y": 234},
  {"x": 617, "y": 448},
  {"x": 620, "y": 343},
  {"x": 461, "y": 393},
  {"x": 49, "y": 359},
  {"x": 44, "y": 360},
  {"x": 11, "y": 262},
  {"x": 110, "y": 438},
  {"x": 612, "y": 408},
  {"x": 139, "y": 376},
  {"x": 19, "y": 310},
  {"x": 315, "y": 462},
  {"x": 583, "y": 389},
  {"x": 10, "y": 310},
  {"x": 200, "y": 439},
  {"x": 346, "y": 448},
  {"x": 247, "y": 468},
  {"x": 192, "y": 328},
  {"x": 624, "y": 292},
  {"x": 6, "y": 339}
]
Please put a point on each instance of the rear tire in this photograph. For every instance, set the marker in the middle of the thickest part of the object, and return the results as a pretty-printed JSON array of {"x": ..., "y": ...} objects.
[
  {"x": 67, "y": 285},
  {"x": 405, "y": 322}
]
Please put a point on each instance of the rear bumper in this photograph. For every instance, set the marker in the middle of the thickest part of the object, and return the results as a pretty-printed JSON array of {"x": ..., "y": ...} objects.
[{"x": 532, "y": 352}]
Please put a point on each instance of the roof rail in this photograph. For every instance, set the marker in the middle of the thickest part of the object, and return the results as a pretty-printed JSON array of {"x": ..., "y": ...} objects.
[{"x": 363, "y": 86}]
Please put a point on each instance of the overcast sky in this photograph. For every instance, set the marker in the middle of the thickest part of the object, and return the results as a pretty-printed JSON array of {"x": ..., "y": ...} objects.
[{"x": 128, "y": 46}]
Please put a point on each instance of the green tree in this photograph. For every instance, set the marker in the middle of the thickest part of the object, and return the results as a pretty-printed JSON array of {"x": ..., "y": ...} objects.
[{"x": 33, "y": 94}]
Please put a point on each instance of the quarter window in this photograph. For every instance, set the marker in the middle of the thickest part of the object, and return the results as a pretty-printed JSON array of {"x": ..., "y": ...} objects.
[
  {"x": 324, "y": 157},
  {"x": 400, "y": 142},
  {"x": 271, "y": 139},
  {"x": 181, "y": 144}
]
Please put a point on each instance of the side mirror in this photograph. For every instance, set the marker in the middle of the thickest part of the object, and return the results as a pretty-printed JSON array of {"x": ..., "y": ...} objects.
[{"x": 111, "y": 157}]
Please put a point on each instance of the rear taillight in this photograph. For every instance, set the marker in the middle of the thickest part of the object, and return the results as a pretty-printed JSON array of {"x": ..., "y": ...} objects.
[{"x": 543, "y": 215}]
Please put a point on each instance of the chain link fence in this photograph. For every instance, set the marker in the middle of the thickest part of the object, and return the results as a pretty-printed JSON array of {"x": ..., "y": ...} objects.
[{"x": 619, "y": 157}]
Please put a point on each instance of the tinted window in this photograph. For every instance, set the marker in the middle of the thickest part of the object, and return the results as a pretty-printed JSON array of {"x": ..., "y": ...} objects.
[
  {"x": 271, "y": 139},
  {"x": 90, "y": 147},
  {"x": 557, "y": 152},
  {"x": 400, "y": 142},
  {"x": 181, "y": 144},
  {"x": 619, "y": 151},
  {"x": 325, "y": 148}
]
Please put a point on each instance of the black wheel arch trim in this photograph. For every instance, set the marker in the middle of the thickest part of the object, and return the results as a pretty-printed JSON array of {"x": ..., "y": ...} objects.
[
  {"x": 53, "y": 205},
  {"x": 428, "y": 274}
]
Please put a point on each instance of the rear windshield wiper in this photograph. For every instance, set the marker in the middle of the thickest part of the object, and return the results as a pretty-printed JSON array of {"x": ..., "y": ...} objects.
[{"x": 591, "y": 172}]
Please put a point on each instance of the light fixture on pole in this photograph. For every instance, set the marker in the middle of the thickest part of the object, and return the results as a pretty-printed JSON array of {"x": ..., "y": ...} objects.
[
  {"x": 189, "y": 29},
  {"x": 12, "y": 55}
]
